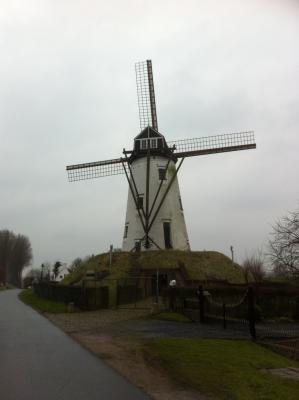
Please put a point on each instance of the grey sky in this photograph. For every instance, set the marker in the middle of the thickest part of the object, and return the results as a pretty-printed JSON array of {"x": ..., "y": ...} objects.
[{"x": 68, "y": 95}]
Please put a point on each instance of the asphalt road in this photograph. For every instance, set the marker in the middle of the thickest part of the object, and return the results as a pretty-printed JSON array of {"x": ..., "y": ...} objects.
[{"x": 38, "y": 361}]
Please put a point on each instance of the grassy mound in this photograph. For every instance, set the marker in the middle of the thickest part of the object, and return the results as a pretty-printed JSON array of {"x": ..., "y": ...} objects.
[{"x": 200, "y": 265}]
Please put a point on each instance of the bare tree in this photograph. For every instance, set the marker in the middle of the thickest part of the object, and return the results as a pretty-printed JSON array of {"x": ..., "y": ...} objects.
[
  {"x": 45, "y": 271},
  {"x": 254, "y": 266},
  {"x": 21, "y": 256},
  {"x": 56, "y": 268},
  {"x": 32, "y": 275},
  {"x": 15, "y": 254},
  {"x": 246, "y": 271},
  {"x": 284, "y": 245},
  {"x": 6, "y": 244},
  {"x": 76, "y": 263}
]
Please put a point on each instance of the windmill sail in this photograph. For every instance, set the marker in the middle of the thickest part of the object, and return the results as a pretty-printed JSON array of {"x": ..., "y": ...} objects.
[
  {"x": 146, "y": 95},
  {"x": 155, "y": 217},
  {"x": 183, "y": 148},
  {"x": 213, "y": 144},
  {"x": 96, "y": 169}
]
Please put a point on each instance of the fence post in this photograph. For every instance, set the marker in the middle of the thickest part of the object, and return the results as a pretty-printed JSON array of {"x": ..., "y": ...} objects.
[
  {"x": 224, "y": 315},
  {"x": 83, "y": 292},
  {"x": 201, "y": 299},
  {"x": 251, "y": 312},
  {"x": 172, "y": 296},
  {"x": 183, "y": 305},
  {"x": 135, "y": 293}
]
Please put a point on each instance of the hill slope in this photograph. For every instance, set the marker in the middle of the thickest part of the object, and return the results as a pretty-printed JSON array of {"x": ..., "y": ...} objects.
[{"x": 200, "y": 265}]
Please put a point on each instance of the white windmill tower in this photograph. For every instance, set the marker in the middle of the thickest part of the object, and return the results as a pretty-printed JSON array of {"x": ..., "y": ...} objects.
[{"x": 155, "y": 218}]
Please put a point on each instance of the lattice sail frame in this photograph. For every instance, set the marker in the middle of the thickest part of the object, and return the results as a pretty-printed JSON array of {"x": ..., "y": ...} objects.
[
  {"x": 183, "y": 148},
  {"x": 214, "y": 144},
  {"x": 146, "y": 95},
  {"x": 98, "y": 169}
]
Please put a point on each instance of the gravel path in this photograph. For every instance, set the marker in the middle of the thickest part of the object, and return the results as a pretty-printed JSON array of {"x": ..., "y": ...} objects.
[
  {"x": 136, "y": 322},
  {"x": 154, "y": 328}
]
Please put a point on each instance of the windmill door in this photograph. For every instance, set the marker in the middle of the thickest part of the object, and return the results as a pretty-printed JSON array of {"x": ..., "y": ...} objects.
[{"x": 167, "y": 234}]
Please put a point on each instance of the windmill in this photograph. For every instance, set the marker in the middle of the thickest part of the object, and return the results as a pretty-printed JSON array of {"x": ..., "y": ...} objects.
[{"x": 155, "y": 216}]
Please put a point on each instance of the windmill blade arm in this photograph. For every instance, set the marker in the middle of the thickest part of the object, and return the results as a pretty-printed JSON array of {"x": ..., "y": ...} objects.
[
  {"x": 214, "y": 144},
  {"x": 97, "y": 169},
  {"x": 146, "y": 95}
]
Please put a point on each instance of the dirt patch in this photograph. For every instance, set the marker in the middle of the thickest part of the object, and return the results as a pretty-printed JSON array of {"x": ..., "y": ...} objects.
[
  {"x": 292, "y": 373},
  {"x": 94, "y": 331},
  {"x": 288, "y": 347},
  {"x": 94, "y": 321}
]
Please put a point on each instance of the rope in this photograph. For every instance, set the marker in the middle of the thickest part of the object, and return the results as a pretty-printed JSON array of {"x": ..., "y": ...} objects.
[{"x": 227, "y": 305}]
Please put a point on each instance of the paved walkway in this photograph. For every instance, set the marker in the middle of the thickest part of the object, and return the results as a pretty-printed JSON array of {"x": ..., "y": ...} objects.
[{"x": 40, "y": 362}]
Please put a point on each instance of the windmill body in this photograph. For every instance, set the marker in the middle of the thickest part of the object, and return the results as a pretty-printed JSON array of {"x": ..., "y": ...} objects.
[
  {"x": 155, "y": 217},
  {"x": 152, "y": 158}
]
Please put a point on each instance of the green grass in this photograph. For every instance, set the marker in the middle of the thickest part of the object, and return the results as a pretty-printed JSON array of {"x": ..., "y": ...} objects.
[
  {"x": 170, "y": 316},
  {"x": 99, "y": 263},
  {"x": 39, "y": 304},
  {"x": 7, "y": 286},
  {"x": 200, "y": 265},
  {"x": 225, "y": 369}
]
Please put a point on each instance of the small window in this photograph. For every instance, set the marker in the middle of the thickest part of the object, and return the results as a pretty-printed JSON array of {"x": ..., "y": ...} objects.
[
  {"x": 154, "y": 143},
  {"x": 162, "y": 173},
  {"x": 160, "y": 143},
  {"x": 144, "y": 144},
  {"x": 126, "y": 231},
  {"x": 140, "y": 202}
]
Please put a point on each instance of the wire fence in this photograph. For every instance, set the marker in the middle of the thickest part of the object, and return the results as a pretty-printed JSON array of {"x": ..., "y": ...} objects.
[
  {"x": 203, "y": 307},
  {"x": 144, "y": 292},
  {"x": 268, "y": 314},
  {"x": 83, "y": 297},
  {"x": 246, "y": 308}
]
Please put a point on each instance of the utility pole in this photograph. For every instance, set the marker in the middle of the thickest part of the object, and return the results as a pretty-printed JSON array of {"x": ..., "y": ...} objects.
[
  {"x": 110, "y": 255},
  {"x": 42, "y": 272},
  {"x": 232, "y": 251}
]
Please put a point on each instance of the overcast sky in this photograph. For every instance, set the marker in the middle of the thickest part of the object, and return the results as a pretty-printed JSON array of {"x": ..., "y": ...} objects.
[{"x": 68, "y": 95}]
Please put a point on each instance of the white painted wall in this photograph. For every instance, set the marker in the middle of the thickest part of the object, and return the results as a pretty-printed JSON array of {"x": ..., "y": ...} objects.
[
  {"x": 63, "y": 271},
  {"x": 170, "y": 210}
]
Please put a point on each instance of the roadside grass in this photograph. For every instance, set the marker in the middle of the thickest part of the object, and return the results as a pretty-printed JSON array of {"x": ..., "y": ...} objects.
[
  {"x": 42, "y": 305},
  {"x": 225, "y": 369},
  {"x": 170, "y": 316},
  {"x": 6, "y": 287}
]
